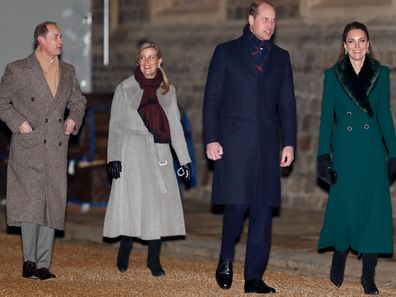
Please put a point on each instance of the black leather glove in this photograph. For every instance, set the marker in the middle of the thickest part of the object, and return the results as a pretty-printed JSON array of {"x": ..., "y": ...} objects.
[
  {"x": 185, "y": 172},
  {"x": 391, "y": 167},
  {"x": 324, "y": 169},
  {"x": 114, "y": 169}
]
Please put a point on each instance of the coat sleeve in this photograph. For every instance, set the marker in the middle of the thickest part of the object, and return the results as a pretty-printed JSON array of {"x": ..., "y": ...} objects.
[
  {"x": 384, "y": 115},
  {"x": 116, "y": 125},
  {"x": 213, "y": 95},
  {"x": 177, "y": 134},
  {"x": 326, "y": 117},
  {"x": 287, "y": 108},
  {"x": 8, "y": 113},
  {"x": 76, "y": 104}
]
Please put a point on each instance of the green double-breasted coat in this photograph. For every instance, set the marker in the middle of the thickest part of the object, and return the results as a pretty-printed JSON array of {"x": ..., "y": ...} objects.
[{"x": 358, "y": 213}]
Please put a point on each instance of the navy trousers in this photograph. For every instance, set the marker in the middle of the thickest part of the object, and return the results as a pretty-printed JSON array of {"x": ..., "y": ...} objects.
[{"x": 259, "y": 235}]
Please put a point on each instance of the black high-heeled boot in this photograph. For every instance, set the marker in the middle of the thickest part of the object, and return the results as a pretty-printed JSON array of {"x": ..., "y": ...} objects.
[
  {"x": 153, "y": 262},
  {"x": 368, "y": 272},
  {"x": 123, "y": 253},
  {"x": 338, "y": 267}
]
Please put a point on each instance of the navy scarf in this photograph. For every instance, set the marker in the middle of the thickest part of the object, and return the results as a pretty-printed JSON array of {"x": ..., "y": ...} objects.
[{"x": 259, "y": 49}]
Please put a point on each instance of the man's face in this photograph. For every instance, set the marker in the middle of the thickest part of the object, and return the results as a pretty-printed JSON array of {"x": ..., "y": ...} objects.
[
  {"x": 52, "y": 43},
  {"x": 263, "y": 25}
]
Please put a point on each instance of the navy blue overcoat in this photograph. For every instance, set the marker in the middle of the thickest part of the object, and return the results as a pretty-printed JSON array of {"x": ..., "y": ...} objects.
[{"x": 249, "y": 113}]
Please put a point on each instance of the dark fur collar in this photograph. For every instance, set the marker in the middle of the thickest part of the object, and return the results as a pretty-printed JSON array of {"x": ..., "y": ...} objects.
[{"x": 358, "y": 87}]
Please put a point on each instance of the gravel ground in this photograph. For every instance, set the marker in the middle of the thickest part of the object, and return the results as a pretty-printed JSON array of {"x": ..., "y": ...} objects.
[{"x": 86, "y": 269}]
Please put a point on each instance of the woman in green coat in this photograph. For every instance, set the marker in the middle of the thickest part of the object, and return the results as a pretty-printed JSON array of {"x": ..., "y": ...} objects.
[{"x": 357, "y": 142}]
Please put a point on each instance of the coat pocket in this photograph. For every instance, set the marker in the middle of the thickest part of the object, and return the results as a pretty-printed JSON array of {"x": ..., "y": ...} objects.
[{"x": 27, "y": 140}]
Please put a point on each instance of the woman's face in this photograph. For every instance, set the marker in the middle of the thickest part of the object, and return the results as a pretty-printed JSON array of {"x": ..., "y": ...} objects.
[
  {"x": 356, "y": 44},
  {"x": 149, "y": 62}
]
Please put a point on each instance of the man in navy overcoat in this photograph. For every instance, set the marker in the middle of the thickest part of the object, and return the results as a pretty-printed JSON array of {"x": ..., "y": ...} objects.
[{"x": 249, "y": 113}]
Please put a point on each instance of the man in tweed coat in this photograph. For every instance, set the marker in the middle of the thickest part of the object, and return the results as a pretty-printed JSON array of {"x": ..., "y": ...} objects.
[{"x": 34, "y": 95}]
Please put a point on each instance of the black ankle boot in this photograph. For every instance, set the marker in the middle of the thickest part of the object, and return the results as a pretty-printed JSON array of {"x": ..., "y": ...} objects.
[
  {"x": 338, "y": 267},
  {"x": 123, "y": 253},
  {"x": 368, "y": 272},
  {"x": 153, "y": 262}
]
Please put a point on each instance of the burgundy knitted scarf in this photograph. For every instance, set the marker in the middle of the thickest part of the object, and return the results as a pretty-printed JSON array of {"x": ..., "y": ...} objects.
[{"x": 150, "y": 109}]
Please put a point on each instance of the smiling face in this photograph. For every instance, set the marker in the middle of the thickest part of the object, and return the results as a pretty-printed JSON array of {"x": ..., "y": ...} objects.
[
  {"x": 356, "y": 44},
  {"x": 263, "y": 24},
  {"x": 149, "y": 62},
  {"x": 51, "y": 44}
]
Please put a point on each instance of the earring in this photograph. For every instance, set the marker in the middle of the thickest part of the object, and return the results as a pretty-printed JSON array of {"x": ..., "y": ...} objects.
[{"x": 345, "y": 52}]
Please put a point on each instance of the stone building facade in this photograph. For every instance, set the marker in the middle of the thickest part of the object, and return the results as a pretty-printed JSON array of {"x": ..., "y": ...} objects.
[{"x": 188, "y": 31}]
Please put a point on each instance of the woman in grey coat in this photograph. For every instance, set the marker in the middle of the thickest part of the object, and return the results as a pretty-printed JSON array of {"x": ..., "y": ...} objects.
[{"x": 144, "y": 200}]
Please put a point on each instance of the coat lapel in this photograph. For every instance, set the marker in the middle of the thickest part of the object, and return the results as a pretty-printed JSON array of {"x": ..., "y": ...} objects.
[
  {"x": 358, "y": 87},
  {"x": 133, "y": 92},
  {"x": 64, "y": 84},
  {"x": 64, "y": 81},
  {"x": 37, "y": 78},
  {"x": 246, "y": 59}
]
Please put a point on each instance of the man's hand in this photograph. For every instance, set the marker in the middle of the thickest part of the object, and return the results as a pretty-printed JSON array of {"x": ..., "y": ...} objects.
[
  {"x": 25, "y": 128},
  {"x": 69, "y": 126},
  {"x": 287, "y": 156},
  {"x": 214, "y": 151}
]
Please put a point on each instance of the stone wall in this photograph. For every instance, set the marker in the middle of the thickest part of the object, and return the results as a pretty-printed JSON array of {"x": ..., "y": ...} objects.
[{"x": 187, "y": 51}]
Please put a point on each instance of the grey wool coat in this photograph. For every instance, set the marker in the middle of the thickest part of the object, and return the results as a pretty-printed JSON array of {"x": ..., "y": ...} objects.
[
  {"x": 36, "y": 175},
  {"x": 145, "y": 201}
]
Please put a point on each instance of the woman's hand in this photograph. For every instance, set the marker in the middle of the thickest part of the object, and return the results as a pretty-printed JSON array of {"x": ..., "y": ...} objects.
[
  {"x": 185, "y": 172},
  {"x": 391, "y": 168},
  {"x": 114, "y": 169}
]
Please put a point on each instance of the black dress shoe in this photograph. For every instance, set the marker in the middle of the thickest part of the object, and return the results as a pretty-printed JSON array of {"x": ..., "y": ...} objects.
[
  {"x": 29, "y": 269},
  {"x": 224, "y": 274},
  {"x": 45, "y": 274},
  {"x": 257, "y": 286}
]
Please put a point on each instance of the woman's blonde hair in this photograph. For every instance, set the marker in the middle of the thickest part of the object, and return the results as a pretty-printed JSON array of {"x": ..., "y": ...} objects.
[{"x": 149, "y": 44}]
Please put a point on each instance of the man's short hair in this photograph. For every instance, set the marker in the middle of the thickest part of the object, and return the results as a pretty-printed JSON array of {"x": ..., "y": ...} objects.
[
  {"x": 253, "y": 8},
  {"x": 42, "y": 30}
]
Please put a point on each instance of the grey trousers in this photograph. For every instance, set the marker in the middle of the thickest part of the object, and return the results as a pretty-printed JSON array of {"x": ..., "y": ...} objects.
[{"x": 37, "y": 244}]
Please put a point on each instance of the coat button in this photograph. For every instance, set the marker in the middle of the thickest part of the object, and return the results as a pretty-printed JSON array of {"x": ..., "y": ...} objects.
[
  {"x": 349, "y": 113},
  {"x": 60, "y": 120},
  {"x": 349, "y": 128},
  {"x": 45, "y": 141},
  {"x": 366, "y": 126},
  {"x": 32, "y": 99},
  {"x": 60, "y": 143},
  {"x": 46, "y": 120}
]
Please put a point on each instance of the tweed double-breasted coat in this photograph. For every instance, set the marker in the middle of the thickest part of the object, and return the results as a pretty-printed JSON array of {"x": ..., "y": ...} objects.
[
  {"x": 358, "y": 213},
  {"x": 145, "y": 201},
  {"x": 37, "y": 165}
]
